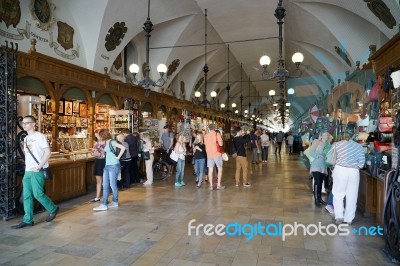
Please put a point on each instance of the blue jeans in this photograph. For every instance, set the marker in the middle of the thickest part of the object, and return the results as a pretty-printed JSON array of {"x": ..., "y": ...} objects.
[
  {"x": 330, "y": 199},
  {"x": 180, "y": 170},
  {"x": 255, "y": 155},
  {"x": 199, "y": 168},
  {"x": 110, "y": 175},
  {"x": 264, "y": 153}
]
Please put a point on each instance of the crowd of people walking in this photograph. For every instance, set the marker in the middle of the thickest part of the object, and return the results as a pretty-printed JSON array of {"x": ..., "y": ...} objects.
[{"x": 118, "y": 161}]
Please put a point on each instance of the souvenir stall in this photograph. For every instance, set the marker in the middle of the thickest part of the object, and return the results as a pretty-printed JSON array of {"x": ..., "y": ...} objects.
[{"x": 386, "y": 62}]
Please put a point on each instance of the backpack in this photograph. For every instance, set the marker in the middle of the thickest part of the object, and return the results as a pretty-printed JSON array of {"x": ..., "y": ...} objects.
[
  {"x": 117, "y": 150},
  {"x": 232, "y": 149}
]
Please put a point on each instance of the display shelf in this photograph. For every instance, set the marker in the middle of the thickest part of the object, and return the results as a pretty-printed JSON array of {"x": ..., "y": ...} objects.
[{"x": 119, "y": 120}]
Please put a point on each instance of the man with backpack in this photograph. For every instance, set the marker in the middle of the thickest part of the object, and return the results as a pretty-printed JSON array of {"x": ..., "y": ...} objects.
[
  {"x": 133, "y": 143},
  {"x": 241, "y": 161}
]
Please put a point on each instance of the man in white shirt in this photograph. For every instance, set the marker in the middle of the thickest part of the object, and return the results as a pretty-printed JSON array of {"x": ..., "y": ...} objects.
[
  {"x": 35, "y": 146},
  {"x": 290, "y": 140},
  {"x": 264, "y": 139}
]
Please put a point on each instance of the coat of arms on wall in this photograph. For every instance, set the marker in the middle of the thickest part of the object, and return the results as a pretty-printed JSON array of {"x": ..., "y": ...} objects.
[
  {"x": 198, "y": 84},
  {"x": 381, "y": 11},
  {"x": 65, "y": 35},
  {"x": 43, "y": 12},
  {"x": 10, "y": 12},
  {"x": 343, "y": 55},
  {"x": 115, "y": 35},
  {"x": 172, "y": 67}
]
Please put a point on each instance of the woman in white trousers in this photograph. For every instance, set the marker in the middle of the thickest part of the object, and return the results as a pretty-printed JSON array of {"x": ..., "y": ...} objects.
[{"x": 148, "y": 147}]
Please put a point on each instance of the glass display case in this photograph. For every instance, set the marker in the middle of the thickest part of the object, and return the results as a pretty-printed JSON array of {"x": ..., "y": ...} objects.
[
  {"x": 120, "y": 119},
  {"x": 30, "y": 105}
]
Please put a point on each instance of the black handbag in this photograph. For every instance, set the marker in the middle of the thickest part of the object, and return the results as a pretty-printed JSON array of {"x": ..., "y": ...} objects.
[
  {"x": 47, "y": 175},
  {"x": 146, "y": 155}
]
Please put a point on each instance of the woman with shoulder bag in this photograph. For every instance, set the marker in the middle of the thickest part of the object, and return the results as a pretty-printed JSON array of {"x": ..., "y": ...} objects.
[
  {"x": 125, "y": 163},
  {"x": 111, "y": 170},
  {"x": 180, "y": 149},
  {"x": 99, "y": 162},
  {"x": 318, "y": 166},
  {"x": 149, "y": 158},
  {"x": 199, "y": 155}
]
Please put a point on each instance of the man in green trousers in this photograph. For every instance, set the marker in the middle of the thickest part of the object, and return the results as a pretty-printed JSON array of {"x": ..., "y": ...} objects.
[{"x": 37, "y": 154}]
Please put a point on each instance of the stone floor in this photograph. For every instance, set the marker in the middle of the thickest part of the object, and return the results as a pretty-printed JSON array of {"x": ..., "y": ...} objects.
[{"x": 150, "y": 227}]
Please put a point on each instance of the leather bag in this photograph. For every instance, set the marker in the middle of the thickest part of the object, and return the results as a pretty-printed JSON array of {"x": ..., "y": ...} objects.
[
  {"x": 47, "y": 174},
  {"x": 331, "y": 156},
  {"x": 374, "y": 92},
  {"x": 385, "y": 124},
  {"x": 220, "y": 149},
  {"x": 381, "y": 147}
]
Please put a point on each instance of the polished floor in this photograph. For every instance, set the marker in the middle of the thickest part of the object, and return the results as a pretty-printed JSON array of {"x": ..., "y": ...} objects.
[{"x": 150, "y": 227}]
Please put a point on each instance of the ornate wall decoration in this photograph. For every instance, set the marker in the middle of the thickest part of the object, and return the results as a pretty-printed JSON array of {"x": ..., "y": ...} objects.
[
  {"x": 182, "y": 90},
  {"x": 118, "y": 62},
  {"x": 115, "y": 35},
  {"x": 65, "y": 35},
  {"x": 65, "y": 38},
  {"x": 43, "y": 12},
  {"x": 343, "y": 55},
  {"x": 10, "y": 12},
  {"x": 198, "y": 84},
  {"x": 116, "y": 68},
  {"x": 328, "y": 76},
  {"x": 382, "y": 12},
  {"x": 172, "y": 67}
]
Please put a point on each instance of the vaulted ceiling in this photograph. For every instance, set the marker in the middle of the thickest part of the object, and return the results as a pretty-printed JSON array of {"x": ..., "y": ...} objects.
[{"x": 312, "y": 27}]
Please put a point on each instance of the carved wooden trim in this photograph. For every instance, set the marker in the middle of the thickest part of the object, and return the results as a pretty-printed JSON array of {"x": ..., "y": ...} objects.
[{"x": 387, "y": 56}]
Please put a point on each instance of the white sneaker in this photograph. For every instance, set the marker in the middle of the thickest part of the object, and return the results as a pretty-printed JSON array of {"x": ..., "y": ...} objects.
[
  {"x": 113, "y": 205},
  {"x": 101, "y": 207},
  {"x": 330, "y": 209}
]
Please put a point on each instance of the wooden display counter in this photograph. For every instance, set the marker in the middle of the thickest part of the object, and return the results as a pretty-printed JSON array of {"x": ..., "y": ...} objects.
[
  {"x": 366, "y": 202},
  {"x": 370, "y": 196},
  {"x": 380, "y": 200},
  {"x": 70, "y": 179}
]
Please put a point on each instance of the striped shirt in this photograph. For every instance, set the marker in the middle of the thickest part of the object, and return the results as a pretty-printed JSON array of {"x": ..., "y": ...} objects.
[{"x": 349, "y": 154}]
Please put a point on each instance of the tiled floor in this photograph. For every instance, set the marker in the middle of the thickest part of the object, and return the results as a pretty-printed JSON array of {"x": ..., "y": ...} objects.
[{"x": 150, "y": 227}]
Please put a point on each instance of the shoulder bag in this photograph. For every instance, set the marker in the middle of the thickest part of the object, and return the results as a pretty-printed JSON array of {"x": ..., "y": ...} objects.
[
  {"x": 220, "y": 149},
  {"x": 233, "y": 149},
  {"x": 307, "y": 153},
  {"x": 174, "y": 156},
  {"x": 47, "y": 175},
  {"x": 331, "y": 156}
]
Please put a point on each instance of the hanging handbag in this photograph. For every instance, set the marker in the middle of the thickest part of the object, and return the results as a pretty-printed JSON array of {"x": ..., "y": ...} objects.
[
  {"x": 374, "y": 92},
  {"x": 381, "y": 147},
  {"x": 385, "y": 124},
  {"x": 373, "y": 124},
  {"x": 352, "y": 118},
  {"x": 47, "y": 175}
]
